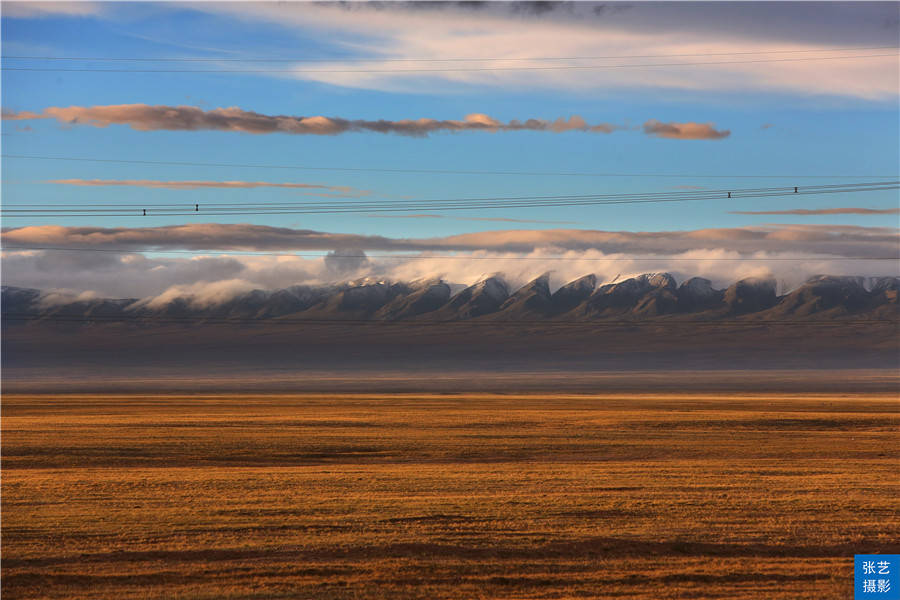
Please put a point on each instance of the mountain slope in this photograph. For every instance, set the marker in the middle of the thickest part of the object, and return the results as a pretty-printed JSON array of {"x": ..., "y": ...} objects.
[{"x": 645, "y": 297}]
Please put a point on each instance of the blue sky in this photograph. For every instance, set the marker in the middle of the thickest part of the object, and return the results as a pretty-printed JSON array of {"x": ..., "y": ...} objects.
[
  {"x": 815, "y": 134},
  {"x": 785, "y": 111}
]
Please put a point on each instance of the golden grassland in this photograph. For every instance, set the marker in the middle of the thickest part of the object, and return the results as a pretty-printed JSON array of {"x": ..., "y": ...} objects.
[{"x": 446, "y": 496}]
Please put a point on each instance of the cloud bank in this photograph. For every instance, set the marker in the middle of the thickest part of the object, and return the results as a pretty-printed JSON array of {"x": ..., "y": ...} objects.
[
  {"x": 791, "y": 253},
  {"x": 221, "y": 277},
  {"x": 144, "y": 117},
  {"x": 837, "y": 240}
]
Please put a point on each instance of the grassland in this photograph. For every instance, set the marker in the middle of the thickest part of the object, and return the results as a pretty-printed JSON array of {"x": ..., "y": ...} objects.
[{"x": 446, "y": 496}]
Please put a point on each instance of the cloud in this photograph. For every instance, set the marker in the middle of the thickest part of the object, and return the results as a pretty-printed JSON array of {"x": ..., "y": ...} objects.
[
  {"x": 837, "y": 240},
  {"x": 30, "y": 10},
  {"x": 345, "y": 262},
  {"x": 492, "y": 219},
  {"x": 193, "y": 185},
  {"x": 789, "y": 252},
  {"x": 200, "y": 295},
  {"x": 144, "y": 117},
  {"x": 666, "y": 33},
  {"x": 58, "y": 297},
  {"x": 22, "y": 115},
  {"x": 684, "y": 131},
  {"x": 209, "y": 280},
  {"x": 199, "y": 236},
  {"x": 821, "y": 211}
]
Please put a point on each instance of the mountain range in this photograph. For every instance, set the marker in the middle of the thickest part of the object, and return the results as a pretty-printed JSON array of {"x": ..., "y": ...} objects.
[{"x": 653, "y": 296}]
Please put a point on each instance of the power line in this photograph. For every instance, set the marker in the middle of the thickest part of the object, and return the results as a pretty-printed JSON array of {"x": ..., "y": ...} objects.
[
  {"x": 444, "y": 205},
  {"x": 715, "y": 194},
  {"x": 466, "y": 59},
  {"x": 148, "y": 319},
  {"x": 438, "y": 171},
  {"x": 428, "y": 201},
  {"x": 459, "y": 69},
  {"x": 444, "y": 256},
  {"x": 476, "y": 202}
]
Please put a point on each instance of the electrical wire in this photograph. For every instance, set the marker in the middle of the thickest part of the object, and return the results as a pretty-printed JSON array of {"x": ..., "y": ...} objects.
[
  {"x": 439, "y": 171},
  {"x": 716, "y": 193},
  {"x": 447, "y": 204}
]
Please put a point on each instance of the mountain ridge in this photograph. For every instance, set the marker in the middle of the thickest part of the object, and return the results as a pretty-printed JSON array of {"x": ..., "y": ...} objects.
[{"x": 651, "y": 296}]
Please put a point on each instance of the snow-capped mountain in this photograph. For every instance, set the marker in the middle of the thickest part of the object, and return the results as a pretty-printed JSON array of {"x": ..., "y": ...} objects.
[{"x": 645, "y": 297}]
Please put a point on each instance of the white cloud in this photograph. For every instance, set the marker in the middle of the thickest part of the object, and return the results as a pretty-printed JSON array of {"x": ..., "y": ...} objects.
[
  {"x": 202, "y": 294},
  {"x": 650, "y": 30},
  {"x": 721, "y": 255},
  {"x": 212, "y": 280},
  {"x": 31, "y": 10}
]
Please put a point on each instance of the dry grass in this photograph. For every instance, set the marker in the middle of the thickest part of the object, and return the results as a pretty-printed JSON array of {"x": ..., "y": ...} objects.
[{"x": 416, "y": 496}]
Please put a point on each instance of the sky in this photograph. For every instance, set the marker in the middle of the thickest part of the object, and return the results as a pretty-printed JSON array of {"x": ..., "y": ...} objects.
[{"x": 387, "y": 103}]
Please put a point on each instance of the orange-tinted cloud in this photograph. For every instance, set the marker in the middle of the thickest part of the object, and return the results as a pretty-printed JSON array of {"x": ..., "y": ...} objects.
[
  {"x": 844, "y": 240},
  {"x": 193, "y": 185},
  {"x": 492, "y": 219},
  {"x": 685, "y": 131},
  {"x": 144, "y": 117},
  {"x": 22, "y": 115},
  {"x": 822, "y": 211}
]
